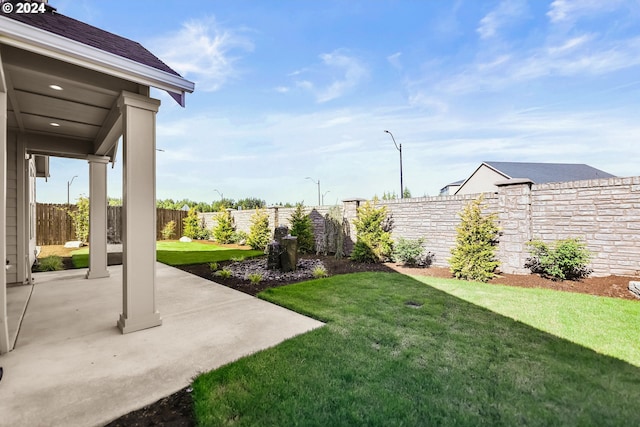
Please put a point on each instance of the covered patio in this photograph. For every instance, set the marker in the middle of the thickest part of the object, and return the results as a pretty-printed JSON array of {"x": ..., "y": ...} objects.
[{"x": 72, "y": 367}]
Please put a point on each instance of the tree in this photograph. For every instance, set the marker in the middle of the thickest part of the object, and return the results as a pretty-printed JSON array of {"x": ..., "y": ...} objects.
[
  {"x": 473, "y": 257},
  {"x": 193, "y": 227},
  {"x": 251, "y": 203},
  {"x": 302, "y": 228},
  {"x": 373, "y": 234},
  {"x": 223, "y": 231},
  {"x": 406, "y": 193},
  {"x": 80, "y": 218},
  {"x": 259, "y": 233}
]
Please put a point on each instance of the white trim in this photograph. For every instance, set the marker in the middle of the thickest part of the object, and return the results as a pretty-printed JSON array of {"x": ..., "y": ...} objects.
[{"x": 26, "y": 37}]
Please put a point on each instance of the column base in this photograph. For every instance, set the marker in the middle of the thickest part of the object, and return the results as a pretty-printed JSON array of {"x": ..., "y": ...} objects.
[
  {"x": 93, "y": 274},
  {"x": 128, "y": 325}
]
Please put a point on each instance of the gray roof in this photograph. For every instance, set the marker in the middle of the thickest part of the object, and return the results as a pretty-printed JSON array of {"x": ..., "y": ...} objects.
[
  {"x": 70, "y": 28},
  {"x": 541, "y": 173}
]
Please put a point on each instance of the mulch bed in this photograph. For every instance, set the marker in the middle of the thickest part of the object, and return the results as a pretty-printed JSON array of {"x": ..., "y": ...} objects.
[{"x": 176, "y": 410}]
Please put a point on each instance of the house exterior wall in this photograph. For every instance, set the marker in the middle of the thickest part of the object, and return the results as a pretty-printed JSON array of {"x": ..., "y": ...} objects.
[
  {"x": 481, "y": 181},
  {"x": 12, "y": 207}
]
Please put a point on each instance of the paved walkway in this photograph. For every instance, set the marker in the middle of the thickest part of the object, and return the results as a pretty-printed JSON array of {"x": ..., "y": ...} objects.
[{"x": 72, "y": 367}]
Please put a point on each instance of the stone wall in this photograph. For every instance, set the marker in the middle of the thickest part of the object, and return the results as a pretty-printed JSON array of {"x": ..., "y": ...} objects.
[{"x": 604, "y": 213}]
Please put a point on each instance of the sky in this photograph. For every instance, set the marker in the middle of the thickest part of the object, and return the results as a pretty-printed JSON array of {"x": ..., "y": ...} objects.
[{"x": 292, "y": 93}]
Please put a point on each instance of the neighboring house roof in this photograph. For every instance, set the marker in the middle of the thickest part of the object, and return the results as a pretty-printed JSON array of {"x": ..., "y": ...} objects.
[
  {"x": 450, "y": 185},
  {"x": 62, "y": 25},
  {"x": 541, "y": 173}
]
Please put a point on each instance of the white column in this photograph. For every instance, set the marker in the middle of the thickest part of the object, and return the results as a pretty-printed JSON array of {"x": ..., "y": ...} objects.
[
  {"x": 97, "y": 217},
  {"x": 139, "y": 213},
  {"x": 4, "y": 330}
]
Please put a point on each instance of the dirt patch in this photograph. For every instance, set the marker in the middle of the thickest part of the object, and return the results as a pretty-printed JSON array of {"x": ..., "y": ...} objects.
[{"x": 176, "y": 410}]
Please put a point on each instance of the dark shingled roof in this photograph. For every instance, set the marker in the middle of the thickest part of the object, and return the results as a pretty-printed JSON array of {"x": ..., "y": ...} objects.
[
  {"x": 541, "y": 173},
  {"x": 62, "y": 25}
]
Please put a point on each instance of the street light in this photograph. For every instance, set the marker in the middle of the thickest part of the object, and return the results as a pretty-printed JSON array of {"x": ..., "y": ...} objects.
[
  {"x": 318, "y": 183},
  {"x": 221, "y": 196},
  {"x": 400, "y": 150},
  {"x": 324, "y": 194},
  {"x": 69, "y": 185}
]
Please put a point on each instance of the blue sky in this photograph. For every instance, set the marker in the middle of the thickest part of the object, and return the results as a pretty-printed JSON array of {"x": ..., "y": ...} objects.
[{"x": 292, "y": 89}]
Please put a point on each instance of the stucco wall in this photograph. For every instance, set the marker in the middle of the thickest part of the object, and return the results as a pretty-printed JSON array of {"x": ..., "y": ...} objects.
[
  {"x": 604, "y": 213},
  {"x": 12, "y": 203},
  {"x": 482, "y": 180}
]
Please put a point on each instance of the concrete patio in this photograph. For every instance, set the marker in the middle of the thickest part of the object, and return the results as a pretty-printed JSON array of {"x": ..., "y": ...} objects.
[{"x": 71, "y": 365}]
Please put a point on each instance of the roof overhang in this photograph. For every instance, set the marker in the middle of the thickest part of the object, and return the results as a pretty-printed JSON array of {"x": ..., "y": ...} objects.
[{"x": 26, "y": 37}]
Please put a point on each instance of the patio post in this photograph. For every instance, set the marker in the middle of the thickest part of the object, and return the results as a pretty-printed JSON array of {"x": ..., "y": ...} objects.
[
  {"x": 139, "y": 212},
  {"x": 4, "y": 329},
  {"x": 97, "y": 217}
]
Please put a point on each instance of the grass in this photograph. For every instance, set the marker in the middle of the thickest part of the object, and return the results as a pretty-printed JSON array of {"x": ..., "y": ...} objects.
[
  {"x": 398, "y": 351},
  {"x": 180, "y": 253}
]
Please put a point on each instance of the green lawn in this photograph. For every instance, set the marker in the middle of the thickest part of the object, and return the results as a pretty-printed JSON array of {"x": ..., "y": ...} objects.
[
  {"x": 179, "y": 253},
  {"x": 383, "y": 361}
]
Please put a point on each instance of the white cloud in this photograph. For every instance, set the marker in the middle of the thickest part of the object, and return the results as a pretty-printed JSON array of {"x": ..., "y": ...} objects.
[
  {"x": 204, "y": 51},
  {"x": 394, "y": 60},
  {"x": 505, "y": 14},
  {"x": 570, "y": 10},
  {"x": 337, "y": 75}
]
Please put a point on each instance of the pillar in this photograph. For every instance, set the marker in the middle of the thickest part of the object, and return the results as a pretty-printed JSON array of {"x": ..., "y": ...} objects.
[
  {"x": 4, "y": 329},
  {"x": 97, "y": 217},
  {"x": 139, "y": 213}
]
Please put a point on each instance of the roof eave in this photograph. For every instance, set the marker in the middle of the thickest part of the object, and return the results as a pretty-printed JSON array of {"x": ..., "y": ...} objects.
[{"x": 24, "y": 36}]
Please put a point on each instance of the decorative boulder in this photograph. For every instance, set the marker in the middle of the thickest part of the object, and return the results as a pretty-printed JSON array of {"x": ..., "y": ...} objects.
[
  {"x": 289, "y": 253},
  {"x": 280, "y": 232},
  {"x": 73, "y": 244},
  {"x": 185, "y": 239},
  {"x": 634, "y": 287},
  {"x": 273, "y": 255}
]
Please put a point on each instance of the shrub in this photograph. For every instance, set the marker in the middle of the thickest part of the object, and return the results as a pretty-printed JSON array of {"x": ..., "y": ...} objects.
[
  {"x": 213, "y": 266},
  {"x": 239, "y": 258},
  {"x": 373, "y": 236},
  {"x": 564, "y": 259},
  {"x": 255, "y": 278},
  {"x": 259, "y": 233},
  {"x": 168, "y": 230},
  {"x": 409, "y": 252},
  {"x": 302, "y": 228},
  {"x": 239, "y": 237},
  {"x": 194, "y": 227},
  {"x": 223, "y": 231},
  {"x": 50, "y": 263},
  {"x": 319, "y": 272},
  {"x": 224, "y": 273},
  {"x": 473, "y": 257},
  {"x": 80, "y": 219}
]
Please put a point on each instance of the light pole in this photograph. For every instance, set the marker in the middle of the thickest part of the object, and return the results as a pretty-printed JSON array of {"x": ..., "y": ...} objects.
[
  {"x": 221, "y": 196},
  {"x": 69, "y": 185},
  {"x": 324, "y": 194},
  {"x": 318, "y": 183},
  {"x": 400, "y": 150}
]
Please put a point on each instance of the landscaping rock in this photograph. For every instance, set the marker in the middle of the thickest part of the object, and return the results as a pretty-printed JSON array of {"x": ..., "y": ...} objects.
[
  {"x": 273, "y": 255},
  {"x": 289, "y": 253},
  {"x": 75, "y": 244},
  {"x": 634, "y": 287},
  {"x": 185, "y": 239}
]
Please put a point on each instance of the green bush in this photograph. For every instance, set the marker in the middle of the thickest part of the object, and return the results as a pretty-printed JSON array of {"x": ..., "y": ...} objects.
[
  {"x": 213, "y": 266},
  {"x": 168, "y": 230},
  {"x": 259, "y": 233},
  {"x": 373, "y": 236},
  {"x": 302, "y": 228},
  {"x": 564, "y": 259},
  {"x": 320, "y": 272},
  {"x": 473, "y": 257},
  {"x": 224, "y": 229},
  {"x": 239, "y": 237},
  {"x": 50, "y": 263},
  {"x": 224, "y": 273},
  {"x": 254, "y": 278},
  {"x": 410, "y": 252},
  {"x": 194, "y": 226},
  {"x": 80, "y": 218}
]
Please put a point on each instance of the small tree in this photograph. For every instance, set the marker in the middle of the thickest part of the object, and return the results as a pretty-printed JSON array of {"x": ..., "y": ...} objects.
[
  {"x": 223, "y": 232},
  {"x": 302, "y": 228},
  {"x": 373, "y": 236},
  {"x": 168, "y": 230},
  {"x": 80, "y": 218},
  {"x": 193, "y": 227},
  {"x": 259, "y": 233},
  {"x": 473, "y": 257}
]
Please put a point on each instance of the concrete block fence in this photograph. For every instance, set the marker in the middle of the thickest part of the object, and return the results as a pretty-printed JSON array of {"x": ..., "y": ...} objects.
[{"x": 605, "y": 213}]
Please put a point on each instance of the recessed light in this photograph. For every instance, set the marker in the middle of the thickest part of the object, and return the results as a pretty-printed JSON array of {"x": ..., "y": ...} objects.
[
  {"x": 55, "y": 87},
  {"x": 54, "y": 124}
]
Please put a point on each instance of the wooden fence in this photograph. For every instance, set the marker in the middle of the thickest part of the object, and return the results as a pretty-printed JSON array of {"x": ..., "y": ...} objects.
[{"x": 54, "y": 225}]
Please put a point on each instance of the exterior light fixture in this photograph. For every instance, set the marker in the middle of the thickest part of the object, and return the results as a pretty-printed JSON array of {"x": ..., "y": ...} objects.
[
  {"x": 55, "y": 87},
  {"x": 54, "y": 124}
]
